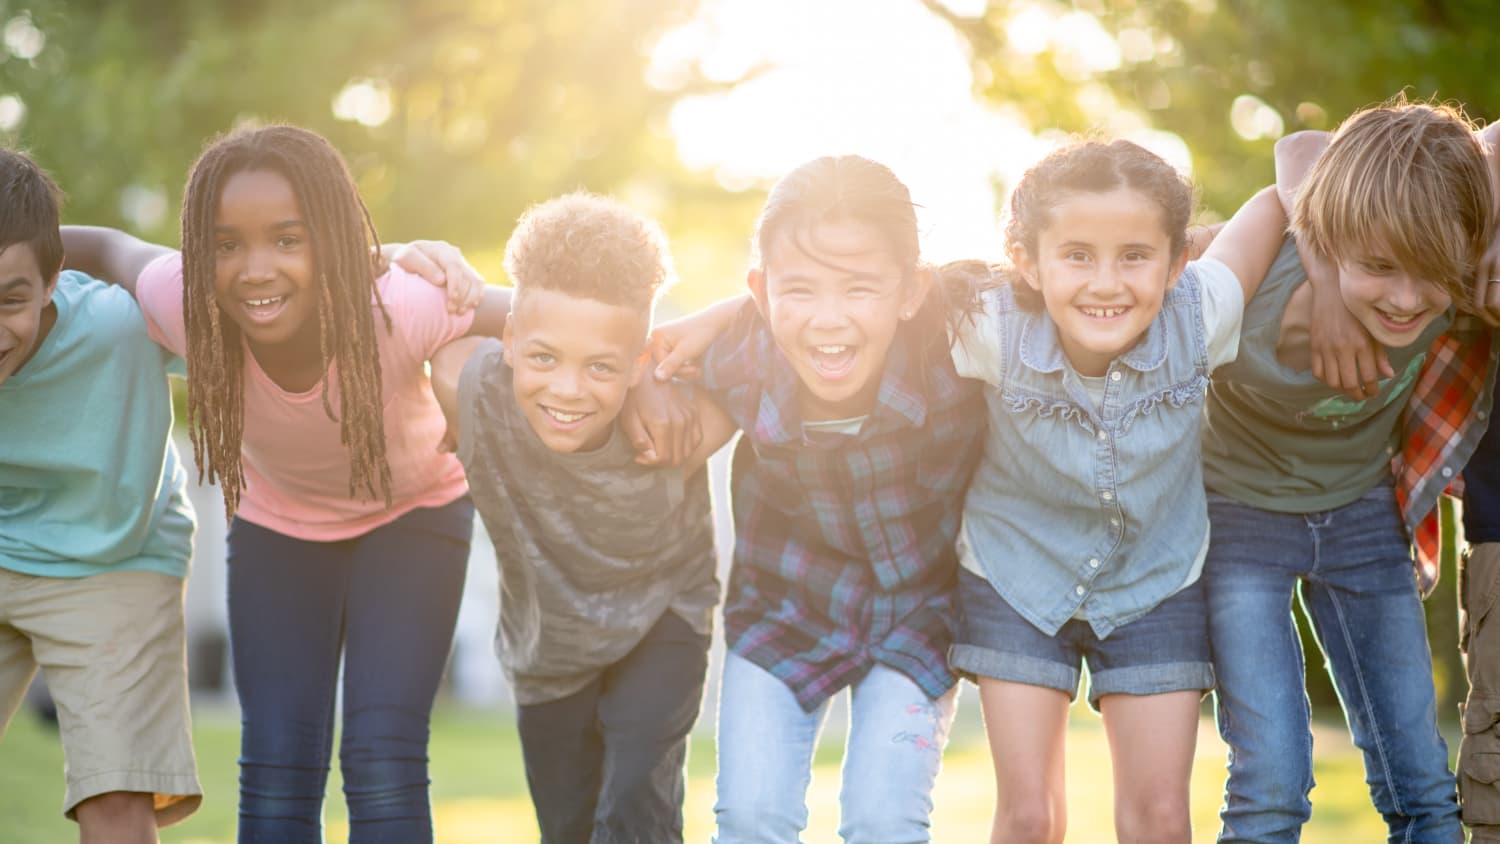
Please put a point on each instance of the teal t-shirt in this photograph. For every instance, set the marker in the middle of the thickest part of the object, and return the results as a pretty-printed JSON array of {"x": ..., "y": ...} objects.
[
  {"x": 89, "y": 481},
  {"x": 1282, "y": 440}
]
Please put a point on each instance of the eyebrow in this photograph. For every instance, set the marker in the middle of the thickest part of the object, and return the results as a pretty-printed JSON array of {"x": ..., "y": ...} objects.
[
  {"x": 790, "y": 278},
  {"x": 284, "y": 224},
  {"x": 15, "y": 284},
  {"x": 1070, "y": 244}
]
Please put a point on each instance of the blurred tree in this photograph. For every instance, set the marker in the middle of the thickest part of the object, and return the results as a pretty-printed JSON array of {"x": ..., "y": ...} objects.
[
  {"x": 1229, "y": 77},
  {"x": 454, "y": 114}
]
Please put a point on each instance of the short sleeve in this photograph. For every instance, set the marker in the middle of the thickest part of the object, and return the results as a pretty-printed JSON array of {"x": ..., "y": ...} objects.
[
  {"x": 976, "y": 341},
  {"x": 471, "y": 386},
  {"x": 158, "y": 290},
  {"x": 735, "y": 359},
  {"x": 419, "y": 312},
  {"x": 1223, "y": 310}
]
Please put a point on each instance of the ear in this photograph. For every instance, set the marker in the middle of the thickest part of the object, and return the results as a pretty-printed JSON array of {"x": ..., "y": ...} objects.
[
  {"x": 506, "y": 338},
  {"x": 915, "y": 293},
  {"x": 1175, "y": 271},
  {"x": 1025, "y": 266},
  {"x": 756, "y": 281}
]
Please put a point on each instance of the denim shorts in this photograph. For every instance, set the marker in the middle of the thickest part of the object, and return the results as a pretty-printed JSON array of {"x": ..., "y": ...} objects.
[{"x": 1165, "y": 650}]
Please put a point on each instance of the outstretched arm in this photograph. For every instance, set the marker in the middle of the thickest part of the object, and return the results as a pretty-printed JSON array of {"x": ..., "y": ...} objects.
[
  {"x": 1250, "y": 240},
  {"x": 676, "y": 345},
  {"x": 108, "y": 254},
  {"x": 447, "y": 367}
]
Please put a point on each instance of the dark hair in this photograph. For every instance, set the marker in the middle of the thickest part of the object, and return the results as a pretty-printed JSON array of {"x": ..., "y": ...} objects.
[
  {"x": 345, "y": 261},
  {"x": 1087, "y": 167},
  {"x": 29, "y": 203}
]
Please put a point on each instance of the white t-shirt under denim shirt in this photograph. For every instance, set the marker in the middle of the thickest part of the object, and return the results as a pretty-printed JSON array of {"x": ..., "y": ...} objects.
[{"x": 1088, "y": 502}]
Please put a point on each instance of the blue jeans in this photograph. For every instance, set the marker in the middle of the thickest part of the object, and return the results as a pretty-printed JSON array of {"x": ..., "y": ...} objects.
[
  {"x": 1352, "y": 568},
  {"x": 766, "y": 742},
  {"x": 386, "y": 601}
]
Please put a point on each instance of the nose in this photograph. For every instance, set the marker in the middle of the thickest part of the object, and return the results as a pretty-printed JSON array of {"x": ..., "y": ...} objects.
[
  {"x": 828, "y": 313},
  {"x": 258, "y": 265},
  {"x": 1405, "y": 293},
  {"x": 567, "y": 383},
  {"x": 1105, "y": 280}
]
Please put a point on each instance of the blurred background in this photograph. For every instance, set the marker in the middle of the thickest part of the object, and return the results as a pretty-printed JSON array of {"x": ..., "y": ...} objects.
[{"x": 457, "y": 114}]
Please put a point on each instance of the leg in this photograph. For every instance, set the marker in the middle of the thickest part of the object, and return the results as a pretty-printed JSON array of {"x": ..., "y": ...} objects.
[
  {"x": 1252, "y": 570},
  {"x": 651, "y": 700},
  {"x": 1151, "y": 742},
  {"x": 114, "y": 650},
  {"x": 564, "y": 754},
  {"x": 765, "y": 750},
  {"x": 1363, "y": 601},
  {"x": 117, "y": 817},
  {"x": 17, "y": 667},
  {"x": 1479, "y": 751},
  {"x": 1027, "y": 727},
  {"x": 286, "y": 614},
  {"x": 891, "y": 761},
  {"x": 403, "y": 602}
]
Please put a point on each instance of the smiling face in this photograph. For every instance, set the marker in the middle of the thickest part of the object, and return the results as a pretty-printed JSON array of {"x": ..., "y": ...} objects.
[
  {"x": 574, "y": 359},
  {"x": 833, "y": 296},
  {"x": 26, "y": 312},
  {"x": 1103, "y": 265},
  {"x": 1391, "y": 303},
  {"x": 264, "y": 276}
]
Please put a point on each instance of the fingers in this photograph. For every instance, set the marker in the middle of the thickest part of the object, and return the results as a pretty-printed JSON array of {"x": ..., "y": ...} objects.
[
  {"x": 414, "y": 259},
  {"x": 465, "y": 284},
  {"x": 669, "y": 361},
  {"x": 635, "y": 431}
]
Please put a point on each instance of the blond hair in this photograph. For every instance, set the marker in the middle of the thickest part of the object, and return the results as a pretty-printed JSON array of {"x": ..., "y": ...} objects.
[
  {"x": 1404, "y": 181},
  {"x": 590, "y": 246}
]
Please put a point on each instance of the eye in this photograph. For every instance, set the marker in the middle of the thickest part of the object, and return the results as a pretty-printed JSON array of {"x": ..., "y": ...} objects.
[
  {"x": 601, "y": 368},
  {"x": 1134, "y": 256},
  {"x": 288, "y": 241},
  {"x": 226, "y": 247},
  {"x": 1077, "y": 256},
  {"x": 1375, "y": 266},
  {"x": 541, "y": 358}
]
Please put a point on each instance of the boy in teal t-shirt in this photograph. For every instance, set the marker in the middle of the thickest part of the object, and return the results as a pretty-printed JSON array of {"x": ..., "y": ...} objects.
[{"x": 95, "y": 528}]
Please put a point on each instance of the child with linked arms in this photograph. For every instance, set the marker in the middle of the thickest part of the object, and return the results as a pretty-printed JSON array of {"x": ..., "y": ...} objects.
[
  {"x": 607, "y": 567},
  {"x": 349, "y": 531},
  {"x": 1085, "y": 526},
  {"x": 858, "y": 442}
]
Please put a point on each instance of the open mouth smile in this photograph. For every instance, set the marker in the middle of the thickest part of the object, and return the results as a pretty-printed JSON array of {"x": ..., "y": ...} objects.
[
  {"x": 1103, "y": 313},
  {"x": 833, "y": 360}
]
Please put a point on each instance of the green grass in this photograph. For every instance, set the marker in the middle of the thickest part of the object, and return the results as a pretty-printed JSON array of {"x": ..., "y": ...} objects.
[{"x": 479, "y": 789}]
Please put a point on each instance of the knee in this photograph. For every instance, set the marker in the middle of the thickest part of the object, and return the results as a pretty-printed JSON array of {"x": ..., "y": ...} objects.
[
  {"x": 1154, "y": 818},
  {"x": 746, "y": 819},
  {"x": 1029, "y": 822}
]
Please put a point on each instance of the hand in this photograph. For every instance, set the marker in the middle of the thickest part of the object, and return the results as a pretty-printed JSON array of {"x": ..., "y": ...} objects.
[
  {"x": 1344, "y": 355},
  {"x": 661, "y": 422},
  {"x": 1487, "y": 283},
  {"x": 676, "y": 346},
  {"x": 442, "y": 264}
]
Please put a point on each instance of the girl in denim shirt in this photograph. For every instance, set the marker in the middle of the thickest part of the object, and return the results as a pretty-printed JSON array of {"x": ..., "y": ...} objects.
[{"x": 1085, "y": 526}]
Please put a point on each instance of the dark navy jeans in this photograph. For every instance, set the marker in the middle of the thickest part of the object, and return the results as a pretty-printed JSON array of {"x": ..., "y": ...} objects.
[
  {"x": 1352, "y": 568},
  {"x": 605, "y": 764},
  {"x": 386, "y": 602}
]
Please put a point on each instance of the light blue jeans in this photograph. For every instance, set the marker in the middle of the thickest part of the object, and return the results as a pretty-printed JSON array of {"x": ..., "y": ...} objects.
[
  {"x": 766, "y": 742},
  {"x": 1352, "y": 568}
]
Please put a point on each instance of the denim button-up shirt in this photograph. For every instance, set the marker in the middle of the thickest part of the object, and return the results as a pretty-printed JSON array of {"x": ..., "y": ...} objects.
[{"x": 1079, "y": 511}]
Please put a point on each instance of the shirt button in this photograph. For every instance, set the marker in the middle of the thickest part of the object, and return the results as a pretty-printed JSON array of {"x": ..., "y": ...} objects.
[
  {"x": 1114, "y": 523},
  {"x": 1094, "y": 563},
  {"x": 1447, "y": 471},
  {"x": 1107, "y": 495},
  {"x": 1479, "y": 414},
  {"x": 1102, "y": 435},
  {"x": 1114, "y": 376},
  {"x": 1078, "y": 590}
]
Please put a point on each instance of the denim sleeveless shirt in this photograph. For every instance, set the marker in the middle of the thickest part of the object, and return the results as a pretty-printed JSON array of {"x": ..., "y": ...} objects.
[{"x": 1080, "y": 511}]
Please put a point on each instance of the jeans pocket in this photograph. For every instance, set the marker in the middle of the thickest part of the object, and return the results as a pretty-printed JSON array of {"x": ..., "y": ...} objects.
[{"x": 1479, "y": 762}]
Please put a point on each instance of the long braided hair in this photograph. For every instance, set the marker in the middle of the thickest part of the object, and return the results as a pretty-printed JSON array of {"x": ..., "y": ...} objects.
[{"x": 346, "y": 261}]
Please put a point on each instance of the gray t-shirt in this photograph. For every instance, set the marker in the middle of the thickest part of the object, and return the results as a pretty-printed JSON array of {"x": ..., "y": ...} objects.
[{"x": 593, "y": 548}]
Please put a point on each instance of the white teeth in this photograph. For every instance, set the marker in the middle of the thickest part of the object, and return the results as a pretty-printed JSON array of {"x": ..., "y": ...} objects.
[
  {"x": 1400, "y": 319},
  {"x": 1103, "y": 312},
  {"x": 831, "y": 350},
  {"x": 564, "y": 417},
  {"x": 261, "y": 303}
]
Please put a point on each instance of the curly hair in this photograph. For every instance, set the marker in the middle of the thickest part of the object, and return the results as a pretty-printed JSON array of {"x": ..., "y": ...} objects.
[
  {"x": 590, "y": 246},
  {"x": 345, "y": 262}
]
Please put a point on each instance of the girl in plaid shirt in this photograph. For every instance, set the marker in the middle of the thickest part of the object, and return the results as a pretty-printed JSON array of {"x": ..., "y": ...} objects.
[{"x": 848, "y": 483}]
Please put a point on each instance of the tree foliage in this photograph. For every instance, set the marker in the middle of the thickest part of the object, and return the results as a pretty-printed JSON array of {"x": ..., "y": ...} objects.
[
  {"x": 492, "y": 104},
  {"x": 1186, "y": 62}
]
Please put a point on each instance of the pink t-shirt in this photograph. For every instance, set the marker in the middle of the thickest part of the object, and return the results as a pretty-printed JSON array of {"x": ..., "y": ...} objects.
[{"x": 296, "y": 470}]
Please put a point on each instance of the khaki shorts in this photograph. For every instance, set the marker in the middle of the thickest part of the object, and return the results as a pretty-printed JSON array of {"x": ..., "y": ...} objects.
[{"x": 114, "y": 652}]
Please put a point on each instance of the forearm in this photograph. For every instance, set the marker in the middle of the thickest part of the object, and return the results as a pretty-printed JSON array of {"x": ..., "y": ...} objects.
[
  {"x": 108, "y": 254},
  {"x": 1294, "y": 156}
]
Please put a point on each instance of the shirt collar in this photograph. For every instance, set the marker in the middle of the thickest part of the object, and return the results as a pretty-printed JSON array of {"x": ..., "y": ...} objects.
[{"x": 1041, "y": 348}]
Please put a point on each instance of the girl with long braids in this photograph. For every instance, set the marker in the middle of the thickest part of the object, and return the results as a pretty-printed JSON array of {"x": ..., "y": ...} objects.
[{"x": 349, "y": 529}]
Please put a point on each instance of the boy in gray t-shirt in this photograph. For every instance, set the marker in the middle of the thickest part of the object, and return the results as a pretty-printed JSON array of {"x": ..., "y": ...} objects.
[{"x": 606, "y": 566}]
